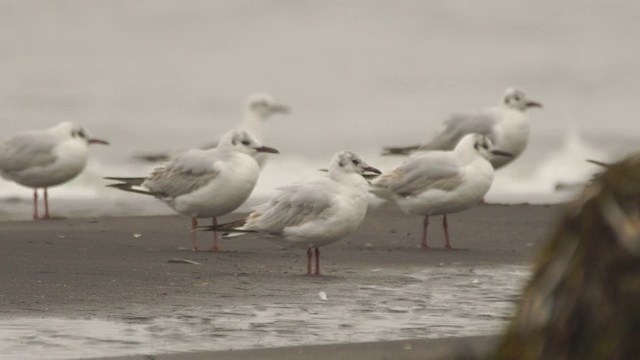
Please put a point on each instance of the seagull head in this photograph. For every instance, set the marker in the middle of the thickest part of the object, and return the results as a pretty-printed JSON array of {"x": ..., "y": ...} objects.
[
  {"x": 517, "y": 99},
  {"x": 264, "y": 106},
  {"x": 76, "y": 132},
  {"x": 350, "y": 163},
  {"x": 244, "y": 142}
]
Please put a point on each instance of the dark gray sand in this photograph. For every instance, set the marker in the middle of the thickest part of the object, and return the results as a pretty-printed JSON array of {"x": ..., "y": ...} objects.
[
  {"x": 98, "y": 267},
  {"x": 429, "y": 349}
]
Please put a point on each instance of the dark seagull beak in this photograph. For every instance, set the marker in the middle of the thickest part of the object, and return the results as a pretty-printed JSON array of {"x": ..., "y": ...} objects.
[
  {"x": 266, "y": 149},
  {"x": 501, "y": 153},
  {"x": 533, "y": 104},
  {"x": 98, "y": 141},
  {"x": 280, "y": 108},
  {"x": 372, "y": 169}
]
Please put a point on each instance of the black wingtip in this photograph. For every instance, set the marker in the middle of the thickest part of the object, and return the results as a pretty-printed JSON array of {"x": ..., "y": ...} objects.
[{"x": 600, "y": 163}]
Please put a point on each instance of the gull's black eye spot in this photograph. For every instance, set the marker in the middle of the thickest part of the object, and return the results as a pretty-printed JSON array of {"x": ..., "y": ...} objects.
[
  {"x": 355, "y": 162},
  {"x": 516, "y": 98},
  {"x": 81, "y": 133},
  {"x": 246, "y": 142}
]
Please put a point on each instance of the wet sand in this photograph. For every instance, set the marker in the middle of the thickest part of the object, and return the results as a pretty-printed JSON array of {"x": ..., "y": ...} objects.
[{"x": 105, "y": 266}]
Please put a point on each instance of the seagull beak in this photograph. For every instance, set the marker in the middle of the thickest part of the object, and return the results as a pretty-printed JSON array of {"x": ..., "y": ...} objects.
[
  {"x": 280, "y": 108},
  {"x": 501, "y": 153},
  {"x": 98, "y": 141},
  {"x": 533, "y": 104},
  {"x": 267, "y": 149},
  {"x": 372, "y": 169}
]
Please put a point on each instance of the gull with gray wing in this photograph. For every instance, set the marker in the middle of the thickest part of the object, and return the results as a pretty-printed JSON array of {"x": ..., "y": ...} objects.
[
  {"x": 46, "y": 158},
  {"x": 441, "y": 182},
  {"x": 506, "y": 125},
  {"x": 313, "y": 214},
  {"x": 204, "y": 183}
]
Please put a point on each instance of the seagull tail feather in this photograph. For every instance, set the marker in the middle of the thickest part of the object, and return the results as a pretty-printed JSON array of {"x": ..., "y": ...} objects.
[
  {"x": 232, "y": 227},
  {"x": 399, "y": 150}
]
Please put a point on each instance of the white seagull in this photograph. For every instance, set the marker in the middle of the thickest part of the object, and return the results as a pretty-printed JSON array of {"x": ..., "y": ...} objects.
[
  {"x": 314, "y": 214},
  {"x": 506, "y": 125},
  {"x": 441, "y": 182},
  {"x": 258, "y": 108},
  {"x": 46, "y": 158},
  {"x": 204, "y": 183}
]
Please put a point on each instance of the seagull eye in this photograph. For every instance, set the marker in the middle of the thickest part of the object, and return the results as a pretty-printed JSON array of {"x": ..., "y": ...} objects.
[
  {"x": 81, "y": 133},
  {"x": 516, "y": 98},
  {"x": 246, "y": 143},
  {"x": 355, "y": 162}
]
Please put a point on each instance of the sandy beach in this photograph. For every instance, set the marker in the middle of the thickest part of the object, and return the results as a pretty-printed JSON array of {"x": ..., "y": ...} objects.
[{"x": 125, "y": 267}]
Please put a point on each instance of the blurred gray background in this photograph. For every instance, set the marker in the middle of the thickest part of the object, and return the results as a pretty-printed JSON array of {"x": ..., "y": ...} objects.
[{"x": 154, "y": 75}]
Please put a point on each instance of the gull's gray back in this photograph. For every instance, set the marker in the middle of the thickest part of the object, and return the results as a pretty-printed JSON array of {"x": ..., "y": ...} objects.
[
  {"x": 440, "y": 170},
  {"x": 461, "y": 124},
  {"x": 295, "y": 205},
  {"x": 27, "y": 150},
  {"x": 184, "y": 173}
]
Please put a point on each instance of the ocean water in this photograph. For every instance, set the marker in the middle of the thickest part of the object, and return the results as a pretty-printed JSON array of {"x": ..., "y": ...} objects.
[{"x": 160, "y": 75}]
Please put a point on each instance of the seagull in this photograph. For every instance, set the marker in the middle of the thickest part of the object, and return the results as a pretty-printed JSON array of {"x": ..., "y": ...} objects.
[
  {"x": 46, "y": 158},
  {"x": 313, "y": 214},
  {"x": 441, "y": 182},
  {"x": 258, "y": 108},
  {"x": 506, "y": 125},
  {"x": 204, "y": 183}
]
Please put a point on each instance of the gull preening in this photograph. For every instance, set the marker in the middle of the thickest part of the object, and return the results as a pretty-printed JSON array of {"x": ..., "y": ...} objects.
[
  {"x": 506, "y": 125},
  {"x": 258, "y": 108},
  {"x": 313, "y": 214},
  {"x": 441, "y": 182},
  {"x": 46, "y": 158},
  {"x": 204, "y": 183}
]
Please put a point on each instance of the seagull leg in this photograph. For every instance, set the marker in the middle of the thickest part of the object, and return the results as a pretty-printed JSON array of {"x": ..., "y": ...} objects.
[
  {"x": 317, "y": 261},
  {"x": 35, "y": 204},
  {"x": 425, "y": 224},
  {"x": 445, "y": 226},
  {"x": 309, "y": 256},
  {"x": 214, "y": 222},
  {"x": 46, "y": 205},
  {"x": 194, "y": 223}
]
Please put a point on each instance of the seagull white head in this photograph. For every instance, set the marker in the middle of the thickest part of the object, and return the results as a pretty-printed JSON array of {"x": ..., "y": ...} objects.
[
  {"x": 517, "y": 99},
  {"x": 242, "y": 141},
  {"x": 264, "y": 105},
  {"x": 350, "y": 163},
  {"x": 71, "y": 131},
  {"x": 482, "y": 145}
]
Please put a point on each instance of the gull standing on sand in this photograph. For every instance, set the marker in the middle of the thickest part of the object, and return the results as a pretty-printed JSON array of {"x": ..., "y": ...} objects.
[
  {"x": 506, "y": 125},
  {"x": 314, "y": 214},
  {"x": 46, "y": 158},
  {"x": 258, "y": 108},
  {"x": 441, "y": 182},
  {"x": 204, "y": 183}
]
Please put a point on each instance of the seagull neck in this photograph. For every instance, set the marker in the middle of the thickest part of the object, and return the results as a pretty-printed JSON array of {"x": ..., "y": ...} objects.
[
  {"x": 252, "y": 117},
  {"x": 350, "y": 179},
  {"x": 466, "y": 154},
  {"x": 254, "y": 123}
]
